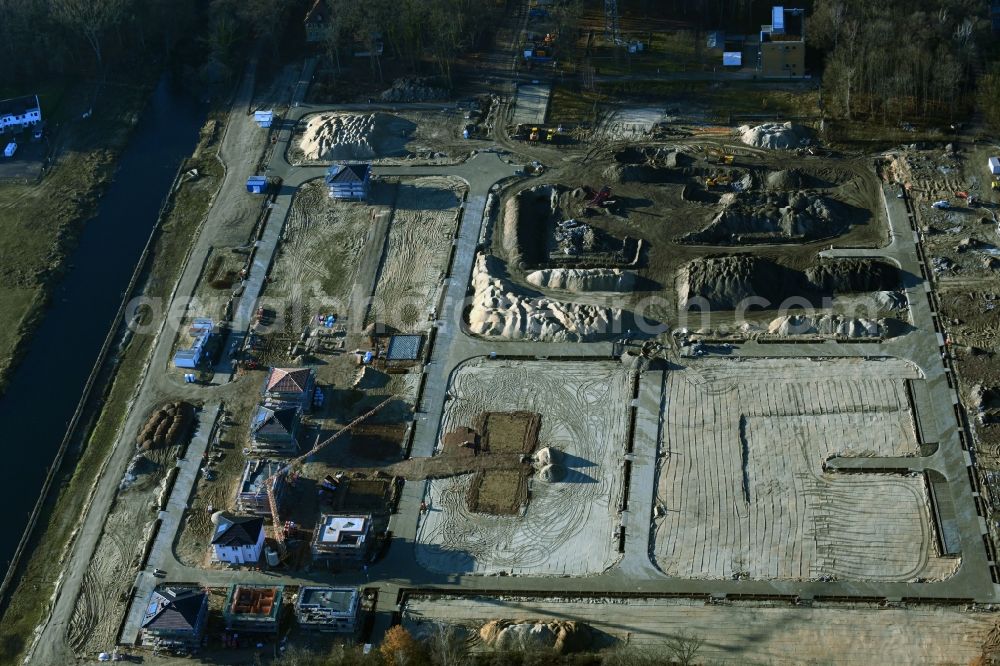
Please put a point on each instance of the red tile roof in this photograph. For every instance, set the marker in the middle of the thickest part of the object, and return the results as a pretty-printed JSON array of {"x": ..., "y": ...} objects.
[{"x": 288, "y": 380}]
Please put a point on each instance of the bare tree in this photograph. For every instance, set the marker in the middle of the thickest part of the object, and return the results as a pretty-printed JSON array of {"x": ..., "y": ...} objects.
[
  {"x": 684, "y": 648},
  {"x": 92, "y": 19},
  {"x": 447, "y": 646}
]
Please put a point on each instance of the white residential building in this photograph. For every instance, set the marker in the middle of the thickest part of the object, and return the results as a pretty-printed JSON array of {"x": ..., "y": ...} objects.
[
  {"x": 238, "y": 540},
  {"x": 20, "y": 112}
]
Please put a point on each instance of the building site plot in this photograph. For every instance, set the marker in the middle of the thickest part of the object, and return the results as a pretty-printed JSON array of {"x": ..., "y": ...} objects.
[
  {"x": 567, "y": 525},
  {"x": 734, "y": 632},
  {"x": 743, "y": 490},
  {"x": 425, "y": 216}
]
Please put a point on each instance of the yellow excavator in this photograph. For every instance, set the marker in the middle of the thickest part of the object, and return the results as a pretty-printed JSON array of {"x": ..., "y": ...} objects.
[
  {"x": 717, "y": 181},
  {"x": 716, "y": 156}
]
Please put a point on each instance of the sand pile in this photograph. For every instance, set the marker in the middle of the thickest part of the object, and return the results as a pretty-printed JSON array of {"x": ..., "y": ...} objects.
[
  {"x": 369, "y": 378},
  {"x": 547, "y": 456},
  {"x": 583, "y": 279},
  {"x": 775, "y": 136},
  {"x": 498, "y": 312},
  {"x": 551, "y": 473},
  {"x": 753, "y": 216},
  {"x": 339, "y": 136},
  {"x": 561, "y": 636},
  {"x": 827, "y": 325}
]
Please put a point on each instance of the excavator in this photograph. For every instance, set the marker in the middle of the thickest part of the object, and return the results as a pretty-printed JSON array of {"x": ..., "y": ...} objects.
[
  {"x": 718, "y": 181},
  {"x": 716, "y": 156}
]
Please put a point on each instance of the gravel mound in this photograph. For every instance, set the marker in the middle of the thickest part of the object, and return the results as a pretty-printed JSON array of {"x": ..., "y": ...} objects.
[
  {"x": 775, "y": 136},
  {"x": 583, "y": 279},
  {"x": 355, "y": 137},
  {"x": 498, "y": 312},
  {"x": 826, "y": 325},
  {"x": 753, "y": 216}
]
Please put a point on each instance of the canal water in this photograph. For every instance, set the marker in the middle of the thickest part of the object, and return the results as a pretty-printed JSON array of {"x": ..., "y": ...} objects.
[{"x": 46, "y": 386}]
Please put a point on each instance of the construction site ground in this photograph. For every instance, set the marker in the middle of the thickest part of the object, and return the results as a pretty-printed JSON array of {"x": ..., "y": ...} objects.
[{"x": 819, "y": 491}]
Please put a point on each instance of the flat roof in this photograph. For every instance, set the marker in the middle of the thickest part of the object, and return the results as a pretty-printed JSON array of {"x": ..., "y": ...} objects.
[
  {"x": 333, "y": 529},
  {"x": 404, "y": 347},
  {"x": 339, "y": 599}
]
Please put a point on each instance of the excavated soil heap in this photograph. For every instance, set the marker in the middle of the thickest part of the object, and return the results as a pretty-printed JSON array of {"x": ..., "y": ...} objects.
[
  {"x": 854, "y": 275},
  {"x": 725, "y": 282},
  {"x": 753, "y": 216}
]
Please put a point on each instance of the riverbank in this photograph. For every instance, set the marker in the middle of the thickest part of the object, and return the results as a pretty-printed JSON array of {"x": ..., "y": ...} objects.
[
  {"x": 40, "y": 223},
  {"x": 38, "y": 577}
]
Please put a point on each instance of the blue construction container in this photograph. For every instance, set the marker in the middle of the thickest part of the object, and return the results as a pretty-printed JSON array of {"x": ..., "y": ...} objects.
[{"x": 256, "y": 184}]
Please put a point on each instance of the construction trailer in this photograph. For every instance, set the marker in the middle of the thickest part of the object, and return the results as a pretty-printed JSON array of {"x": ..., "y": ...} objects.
[
  {"x": 252, "y": 496},
  {"x": 253, "y": 608},
  {"x": 342, "y": 540},
  {"x": 256, "y": 184},
  {"x": 201, "y": 331},
  {"x": 349, "y": 180},
  {"x": 175, "y": 618},
  {"x": 994, "y": 166},
  {"x": 264, "y": 119},
  {"x": 19, "y": 112},
  {"x": 329, "y": 609}
]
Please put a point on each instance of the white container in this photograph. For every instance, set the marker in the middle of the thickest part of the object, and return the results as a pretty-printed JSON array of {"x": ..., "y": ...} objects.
[
  {"x": 12, "y": 147},
  {"x": 995, "y": 166}
]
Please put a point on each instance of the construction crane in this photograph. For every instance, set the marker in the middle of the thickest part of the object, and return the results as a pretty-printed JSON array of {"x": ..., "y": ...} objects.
[{"x": 279, "y": 532}]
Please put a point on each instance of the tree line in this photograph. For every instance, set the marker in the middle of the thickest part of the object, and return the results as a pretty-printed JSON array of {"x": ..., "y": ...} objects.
[
  {"x": 411, "y": 31},
  {"x": 897, "y": 59},
  {"x": 42, "y": 39}
]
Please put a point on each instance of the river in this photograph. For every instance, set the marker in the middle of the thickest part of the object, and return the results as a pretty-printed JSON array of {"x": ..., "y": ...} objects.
[{"x": 46, "y": 386}]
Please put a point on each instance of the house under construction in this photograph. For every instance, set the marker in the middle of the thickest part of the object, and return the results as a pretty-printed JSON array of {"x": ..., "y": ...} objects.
[
  {"x": 253, "y": 608},
  {"x": 342, "y": 540},
  {"x": 252, "y": 496},
  {"x": 333, "y": 609}
]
